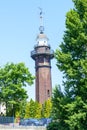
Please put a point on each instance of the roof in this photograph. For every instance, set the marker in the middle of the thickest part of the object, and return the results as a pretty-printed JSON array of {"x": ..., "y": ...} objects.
[{"x": 42, "y": 36}]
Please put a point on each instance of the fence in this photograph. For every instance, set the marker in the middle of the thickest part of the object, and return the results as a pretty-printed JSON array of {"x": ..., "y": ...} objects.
[
  {"x": 6, "y": 120},
  {"x": 9, "y": 123}
]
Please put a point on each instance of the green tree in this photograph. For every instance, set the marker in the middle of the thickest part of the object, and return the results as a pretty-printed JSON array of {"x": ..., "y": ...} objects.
[
  {"x": 27, "y": 114},
  {"x": 20, "y": 113},
  {"x": 38, "y": 108},
  {"x": 33, "y": 109},
  {"x": 30, "y": 109},
  {"x": 72, "y": 61},
  {"x": 46, "y": 109},
  {"x": 13, "y": 79},
  {"x": 59, "y": 113}
]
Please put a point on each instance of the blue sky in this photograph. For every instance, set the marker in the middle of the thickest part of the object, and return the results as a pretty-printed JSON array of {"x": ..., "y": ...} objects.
[{"x": 19, "y": 23}]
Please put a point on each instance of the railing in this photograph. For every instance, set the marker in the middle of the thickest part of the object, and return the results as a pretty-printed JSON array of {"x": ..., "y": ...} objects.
[{"x": 38, "y": 52}]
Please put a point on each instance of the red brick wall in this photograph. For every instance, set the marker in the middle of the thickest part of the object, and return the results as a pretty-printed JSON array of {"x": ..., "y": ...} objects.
[{"x": 43, "y": 84}]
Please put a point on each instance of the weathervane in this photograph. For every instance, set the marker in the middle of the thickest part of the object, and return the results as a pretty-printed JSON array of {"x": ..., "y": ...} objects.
[
  {"x": 40, "y": 11},
  {"x": 41, "y": 28}
]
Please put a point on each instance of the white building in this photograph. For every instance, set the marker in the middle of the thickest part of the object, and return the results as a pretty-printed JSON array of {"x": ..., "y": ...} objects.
[{"x": 2, "y": 108}]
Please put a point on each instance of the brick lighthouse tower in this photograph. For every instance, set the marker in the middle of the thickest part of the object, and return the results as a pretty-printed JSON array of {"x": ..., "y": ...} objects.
[{"x": 42, "y": 54}]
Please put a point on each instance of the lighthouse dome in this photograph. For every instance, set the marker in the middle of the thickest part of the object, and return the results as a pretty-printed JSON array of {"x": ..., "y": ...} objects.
[{"x": 42, "y": 40}]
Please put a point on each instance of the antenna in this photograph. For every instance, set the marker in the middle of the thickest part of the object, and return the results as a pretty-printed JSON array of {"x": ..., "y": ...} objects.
[{"x": 41, "y": 28}]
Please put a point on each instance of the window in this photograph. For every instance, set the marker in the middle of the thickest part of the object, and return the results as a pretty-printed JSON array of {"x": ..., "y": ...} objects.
[{"x": 48, "y": 93}]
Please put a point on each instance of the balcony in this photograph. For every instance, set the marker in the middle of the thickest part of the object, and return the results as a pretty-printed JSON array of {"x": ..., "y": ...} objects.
[{"x": 36, "y": 53}]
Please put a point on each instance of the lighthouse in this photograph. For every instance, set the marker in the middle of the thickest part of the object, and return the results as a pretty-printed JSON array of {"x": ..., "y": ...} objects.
[{"x": 42, "y": 55}]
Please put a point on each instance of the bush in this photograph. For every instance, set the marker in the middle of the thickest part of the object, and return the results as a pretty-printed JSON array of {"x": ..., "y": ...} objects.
[{"x": 52, "y": 126}]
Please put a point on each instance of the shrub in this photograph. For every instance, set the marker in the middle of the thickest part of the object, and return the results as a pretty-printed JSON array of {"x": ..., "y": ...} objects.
[{"x": 52, "y": 126}]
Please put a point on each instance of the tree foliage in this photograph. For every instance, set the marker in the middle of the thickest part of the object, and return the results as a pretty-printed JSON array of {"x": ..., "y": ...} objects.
[
  {"x": 46, "y": 109},
  {"x": 34, "y": 109},
  {"x": 71, "y": 105},
  {"x": 59, "y": 101},
  {"x": 20, "y": 113},
  {"x": 30, "y": 109},
  {"x": 13, "y": 79}
]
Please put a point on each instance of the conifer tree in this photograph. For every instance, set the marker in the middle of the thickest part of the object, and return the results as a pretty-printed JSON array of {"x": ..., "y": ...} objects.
[
  {"x": 46, "y": 109},
  {"x": 33, "y": 109},
  {"x": 72, "y": 61}
]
